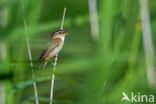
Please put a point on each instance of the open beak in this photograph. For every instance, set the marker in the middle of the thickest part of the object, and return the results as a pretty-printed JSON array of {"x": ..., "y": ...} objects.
[{"x": 65, "y": 33}]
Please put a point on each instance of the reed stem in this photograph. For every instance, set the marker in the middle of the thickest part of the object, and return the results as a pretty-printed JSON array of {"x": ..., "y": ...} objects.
[
  {"x": 30, "y": 57},
  {"x": 148, "y": 44},
  {"x": 55, "y": 62}
]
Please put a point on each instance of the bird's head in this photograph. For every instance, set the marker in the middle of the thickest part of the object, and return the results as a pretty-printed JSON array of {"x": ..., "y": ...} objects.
[{"x": 58, "y": 34}]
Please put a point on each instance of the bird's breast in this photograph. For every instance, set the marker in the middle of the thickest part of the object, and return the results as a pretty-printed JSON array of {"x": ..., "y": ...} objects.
[{"x": 56, "y": 50}]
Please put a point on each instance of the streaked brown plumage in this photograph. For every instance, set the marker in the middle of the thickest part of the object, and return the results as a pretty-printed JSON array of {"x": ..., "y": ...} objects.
[{"x": 53, "y": 47}]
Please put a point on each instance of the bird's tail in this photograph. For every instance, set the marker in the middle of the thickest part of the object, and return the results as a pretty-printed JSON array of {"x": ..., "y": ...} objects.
[{"x": 43, "y": 64}]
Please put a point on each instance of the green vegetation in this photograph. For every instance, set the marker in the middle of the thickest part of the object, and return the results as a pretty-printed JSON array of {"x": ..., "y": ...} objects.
[{"x": 88, "y": 71}]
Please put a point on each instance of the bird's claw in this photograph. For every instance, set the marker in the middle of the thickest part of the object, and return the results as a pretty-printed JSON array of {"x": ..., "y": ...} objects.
[{"x": 53, "y": 64}]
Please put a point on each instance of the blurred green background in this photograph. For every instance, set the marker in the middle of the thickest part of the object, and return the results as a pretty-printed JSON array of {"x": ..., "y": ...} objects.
[{"x": 89, "y": 70}]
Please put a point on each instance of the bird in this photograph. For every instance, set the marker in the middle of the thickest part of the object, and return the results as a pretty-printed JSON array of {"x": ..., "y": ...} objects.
[{"x": 53, "y": 47}]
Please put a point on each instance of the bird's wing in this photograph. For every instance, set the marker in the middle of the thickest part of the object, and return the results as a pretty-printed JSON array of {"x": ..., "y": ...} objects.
[
  {"x": 54, "y": 43},
  {"x": 50, "y": 47},
  {"x": 42, "y": 54}
]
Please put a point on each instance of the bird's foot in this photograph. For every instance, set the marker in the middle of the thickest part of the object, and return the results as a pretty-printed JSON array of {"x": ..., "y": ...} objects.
[{"x": 53, "y": 64}]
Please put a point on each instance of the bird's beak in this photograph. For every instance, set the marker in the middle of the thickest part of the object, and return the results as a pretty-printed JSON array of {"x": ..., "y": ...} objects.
[{"x": 65, "y": 33}]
